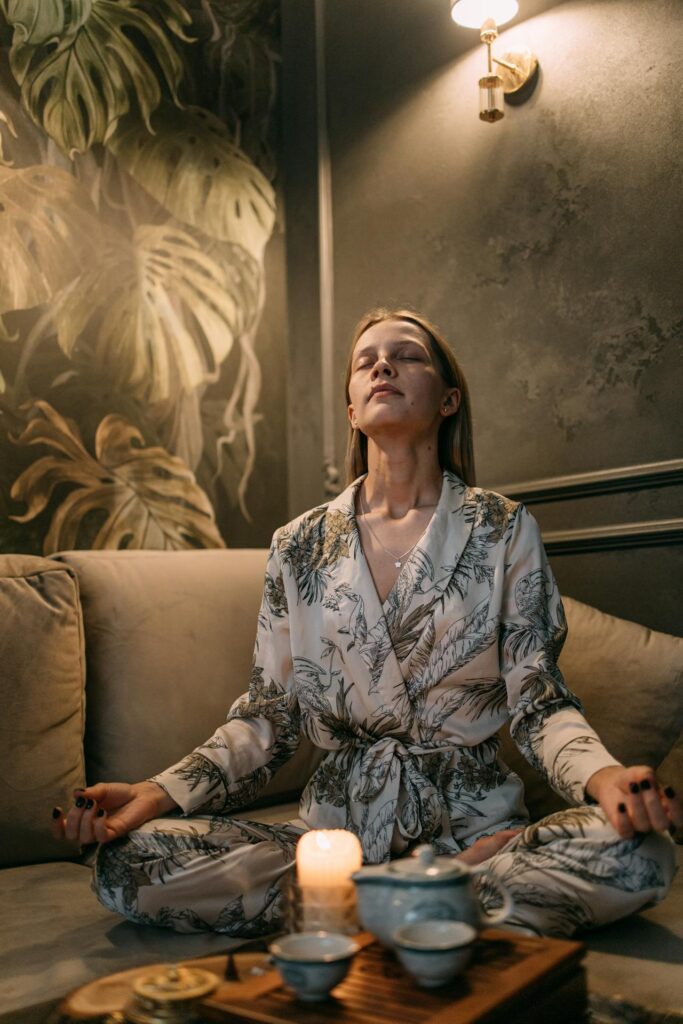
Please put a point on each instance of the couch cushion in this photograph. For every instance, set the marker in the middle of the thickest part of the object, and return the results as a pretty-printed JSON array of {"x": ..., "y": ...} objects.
[
  {"x": 41, "y": 696},
  {"x": 629, "y": 679},
  {"x": 169, "y": 647}
]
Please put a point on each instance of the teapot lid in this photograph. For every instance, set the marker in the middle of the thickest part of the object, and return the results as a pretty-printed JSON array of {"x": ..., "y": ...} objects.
[{"x": 424, "y": 866}]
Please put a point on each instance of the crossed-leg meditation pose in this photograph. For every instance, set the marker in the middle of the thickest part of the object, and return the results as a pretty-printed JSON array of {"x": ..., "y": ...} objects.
[{"x": 402, "y": 624}]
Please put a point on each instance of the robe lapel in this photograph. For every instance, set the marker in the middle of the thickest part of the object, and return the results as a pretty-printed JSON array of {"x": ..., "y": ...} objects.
[
  {"x": 359, "y": 622},
  {"x": 418, "y": 608},
  {"x": 383, "y": 644}
]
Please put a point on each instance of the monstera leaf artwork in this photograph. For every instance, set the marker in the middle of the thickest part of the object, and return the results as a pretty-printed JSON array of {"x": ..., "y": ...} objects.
[
  {"x": 47, "y": 227},
  {"x": 160, "y": 315},
  {"x": 150, "y": 498},
  {"x": 191, "y": 166},
  {"x": 46, "y": 230},
  {"x": 136, "y": 205},
  {"x": 79, "y": 68}
]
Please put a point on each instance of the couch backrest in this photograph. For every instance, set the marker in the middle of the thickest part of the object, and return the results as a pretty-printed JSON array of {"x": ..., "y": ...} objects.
[{"x": 169, "y": 646}]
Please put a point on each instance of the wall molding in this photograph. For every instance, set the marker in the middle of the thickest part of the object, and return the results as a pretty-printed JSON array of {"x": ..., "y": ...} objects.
[
  {"x": 605, "y": 481},
  {"x": 616, "y": 537}
]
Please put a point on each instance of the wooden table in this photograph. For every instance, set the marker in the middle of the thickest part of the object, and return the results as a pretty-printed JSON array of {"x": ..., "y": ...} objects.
[{"x": 512, "y": 979}]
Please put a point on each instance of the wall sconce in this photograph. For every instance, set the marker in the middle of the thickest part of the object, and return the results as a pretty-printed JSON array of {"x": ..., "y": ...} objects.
[{"x": 514, "y": 69}]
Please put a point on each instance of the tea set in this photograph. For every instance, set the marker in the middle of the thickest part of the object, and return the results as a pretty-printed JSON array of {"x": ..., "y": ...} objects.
[{"x": 423, "y": 907}]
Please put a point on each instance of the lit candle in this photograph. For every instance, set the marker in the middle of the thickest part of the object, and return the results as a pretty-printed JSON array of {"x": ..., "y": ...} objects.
[{"x": 327, "y": 858}]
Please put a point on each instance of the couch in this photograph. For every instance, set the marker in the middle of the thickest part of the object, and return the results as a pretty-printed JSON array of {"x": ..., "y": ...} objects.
[{"x": 116, "y": 663}]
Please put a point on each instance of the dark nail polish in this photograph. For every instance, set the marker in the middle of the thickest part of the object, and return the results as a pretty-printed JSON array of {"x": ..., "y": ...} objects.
[
  {"x": 668, "y": 791},
  {"x": 100, "y": 813},
  {"x": 80, "y": 802},
  {"x": 622, "y": 808},
  {"x": 89, "y": 804},
  {"x": 634, "y": 787},
  {"x": 56, "y": 812},
  {"x": 645, "y": 784}
]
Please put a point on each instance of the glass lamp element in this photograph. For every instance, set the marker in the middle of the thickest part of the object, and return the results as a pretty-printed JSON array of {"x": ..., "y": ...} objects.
[
  {"x": 473, "y": 13},
  {"x": 491, "y": 98}
]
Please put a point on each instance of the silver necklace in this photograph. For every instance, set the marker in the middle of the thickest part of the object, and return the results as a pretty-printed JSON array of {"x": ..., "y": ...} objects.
[{"x": 398, "y": 559}]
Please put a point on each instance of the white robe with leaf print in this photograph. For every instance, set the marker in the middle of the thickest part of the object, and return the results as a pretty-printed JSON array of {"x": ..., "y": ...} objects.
[{"x": 405, "y": 697}]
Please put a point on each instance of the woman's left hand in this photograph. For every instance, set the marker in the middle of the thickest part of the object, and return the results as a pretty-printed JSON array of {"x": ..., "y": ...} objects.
[{"x": 633, "y": 800}]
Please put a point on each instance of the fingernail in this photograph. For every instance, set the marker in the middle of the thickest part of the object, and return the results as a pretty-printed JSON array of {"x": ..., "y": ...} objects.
[
  {"x": 100, "y": 813},
  {"x": 622, "y": 808},
  {"x": 77, "y": 791},
  {"x": 56, "y": 812},
  {"x": 645, "y": 784},
  {"x": 80, "y": 802},
  {"x": 668, "y": 791},
  {"x": 88, "y": 804},
  {"x": 634, "y": 787}
]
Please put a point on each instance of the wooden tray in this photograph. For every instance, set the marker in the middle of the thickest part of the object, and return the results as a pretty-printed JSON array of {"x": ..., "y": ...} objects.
[{"x": 512, "y": 979}]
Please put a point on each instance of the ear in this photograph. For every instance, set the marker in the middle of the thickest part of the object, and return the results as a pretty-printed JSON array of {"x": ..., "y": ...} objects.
[
  {"x": 450, "y": 403},
  {"x": 352, "y": 417}
]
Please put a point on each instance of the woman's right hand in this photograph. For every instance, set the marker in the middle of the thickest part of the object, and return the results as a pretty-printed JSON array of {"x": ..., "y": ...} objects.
[{"x": 110, "y": 810}]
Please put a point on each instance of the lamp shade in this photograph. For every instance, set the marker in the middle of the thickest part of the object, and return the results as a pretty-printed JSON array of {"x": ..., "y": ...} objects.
[{"x": 473, "y": 13}]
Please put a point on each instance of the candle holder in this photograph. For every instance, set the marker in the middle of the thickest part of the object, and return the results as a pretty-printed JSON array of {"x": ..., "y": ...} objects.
[{"x": 313, "y": 908}]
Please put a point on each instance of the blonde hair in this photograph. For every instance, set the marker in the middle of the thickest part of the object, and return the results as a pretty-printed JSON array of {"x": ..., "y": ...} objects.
[{"x": 455, "y": 448}]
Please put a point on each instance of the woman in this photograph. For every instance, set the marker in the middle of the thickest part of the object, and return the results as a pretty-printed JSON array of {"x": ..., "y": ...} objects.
[{"x": 401, "y": 625}]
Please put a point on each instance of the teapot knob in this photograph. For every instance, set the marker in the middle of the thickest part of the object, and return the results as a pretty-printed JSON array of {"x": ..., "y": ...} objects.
[{"x": 425, "y": 855}]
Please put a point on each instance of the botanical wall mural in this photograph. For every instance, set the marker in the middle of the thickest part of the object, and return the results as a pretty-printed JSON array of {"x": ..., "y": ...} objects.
[{"x": 136, "y": 201}]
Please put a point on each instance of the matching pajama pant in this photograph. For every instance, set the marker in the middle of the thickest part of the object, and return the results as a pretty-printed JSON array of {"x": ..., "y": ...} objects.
[{"x": 566, "y": 873}]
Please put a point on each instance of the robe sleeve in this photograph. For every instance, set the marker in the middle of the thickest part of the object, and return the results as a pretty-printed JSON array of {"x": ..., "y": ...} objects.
[
  {"x": 262, "y": 730},
  {"x": 547, "y": 721}
]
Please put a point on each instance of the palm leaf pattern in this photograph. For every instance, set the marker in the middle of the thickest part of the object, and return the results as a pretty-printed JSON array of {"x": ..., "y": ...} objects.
[
  {"x": 78, "y": 67},
  {"x": 469, "y": 566},
  {"x": 150, "y": 499},
  {"x": 459, "y": 645},
  {"x": 477, "y": 698}
]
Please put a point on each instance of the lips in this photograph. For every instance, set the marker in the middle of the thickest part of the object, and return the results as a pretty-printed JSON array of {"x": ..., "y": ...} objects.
[{"x": 384, "y": 389}]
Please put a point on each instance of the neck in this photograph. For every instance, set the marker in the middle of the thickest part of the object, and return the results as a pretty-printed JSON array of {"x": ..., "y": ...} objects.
[{"x": 402, "y": 479}]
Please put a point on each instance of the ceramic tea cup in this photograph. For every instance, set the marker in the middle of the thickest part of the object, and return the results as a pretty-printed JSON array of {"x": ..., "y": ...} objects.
[
  {"x": 312, "y": 963},
  {"x": 434, "y": 952}
]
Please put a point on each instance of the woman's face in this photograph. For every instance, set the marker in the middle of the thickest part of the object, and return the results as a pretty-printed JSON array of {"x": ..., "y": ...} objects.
[{"x": 395, "y": 386}]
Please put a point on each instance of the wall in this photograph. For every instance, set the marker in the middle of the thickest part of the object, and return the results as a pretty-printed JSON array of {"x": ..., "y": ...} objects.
[
  {"x": 142, "y": 299},
  {"x": 547, "y": 247}
]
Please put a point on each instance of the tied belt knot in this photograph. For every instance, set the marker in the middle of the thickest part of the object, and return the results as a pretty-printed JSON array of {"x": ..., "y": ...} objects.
[{"x": 392, "y": 769}]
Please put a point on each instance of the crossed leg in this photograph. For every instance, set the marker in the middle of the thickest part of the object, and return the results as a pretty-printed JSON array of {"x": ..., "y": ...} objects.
[
  {"x": 572, "y": 871},
  {"x": 566, "y": 873},
  {"x": 199, "y": 874}
]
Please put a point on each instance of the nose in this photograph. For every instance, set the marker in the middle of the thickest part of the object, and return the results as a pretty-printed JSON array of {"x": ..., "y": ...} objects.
[{"x": 382, "y": 366}]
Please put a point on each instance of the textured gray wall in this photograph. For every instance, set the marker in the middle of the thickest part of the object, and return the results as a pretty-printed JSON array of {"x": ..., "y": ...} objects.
[{"x": 546, "y": 246}]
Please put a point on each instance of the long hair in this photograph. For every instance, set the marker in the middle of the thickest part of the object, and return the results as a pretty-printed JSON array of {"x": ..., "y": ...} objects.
[{"x": 455, "y": 449}]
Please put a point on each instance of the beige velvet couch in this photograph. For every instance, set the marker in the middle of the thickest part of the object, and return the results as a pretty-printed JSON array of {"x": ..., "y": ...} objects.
[{"x": 115, "y": 664}]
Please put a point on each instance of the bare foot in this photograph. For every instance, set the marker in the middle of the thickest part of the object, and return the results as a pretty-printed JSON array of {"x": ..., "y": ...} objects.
[{"x": 487, "y": 846}]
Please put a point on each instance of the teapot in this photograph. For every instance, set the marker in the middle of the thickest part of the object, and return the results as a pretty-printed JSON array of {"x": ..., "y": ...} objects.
[{"x": 422, "y": 887}]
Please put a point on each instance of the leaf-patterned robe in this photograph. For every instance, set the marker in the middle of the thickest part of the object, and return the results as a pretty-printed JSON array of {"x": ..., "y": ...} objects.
[{"x": 405, "y": 697}]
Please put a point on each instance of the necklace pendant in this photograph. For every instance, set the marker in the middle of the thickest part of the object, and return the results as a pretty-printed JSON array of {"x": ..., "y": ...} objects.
[{"x": 397, "y": 564}]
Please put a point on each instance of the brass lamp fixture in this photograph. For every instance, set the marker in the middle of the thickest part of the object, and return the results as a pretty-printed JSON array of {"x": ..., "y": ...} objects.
[{"x": 513, "y": 71}]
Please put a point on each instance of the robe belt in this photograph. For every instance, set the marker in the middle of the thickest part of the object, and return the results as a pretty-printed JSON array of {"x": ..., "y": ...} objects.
[{"x": 378, "y": 775}]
